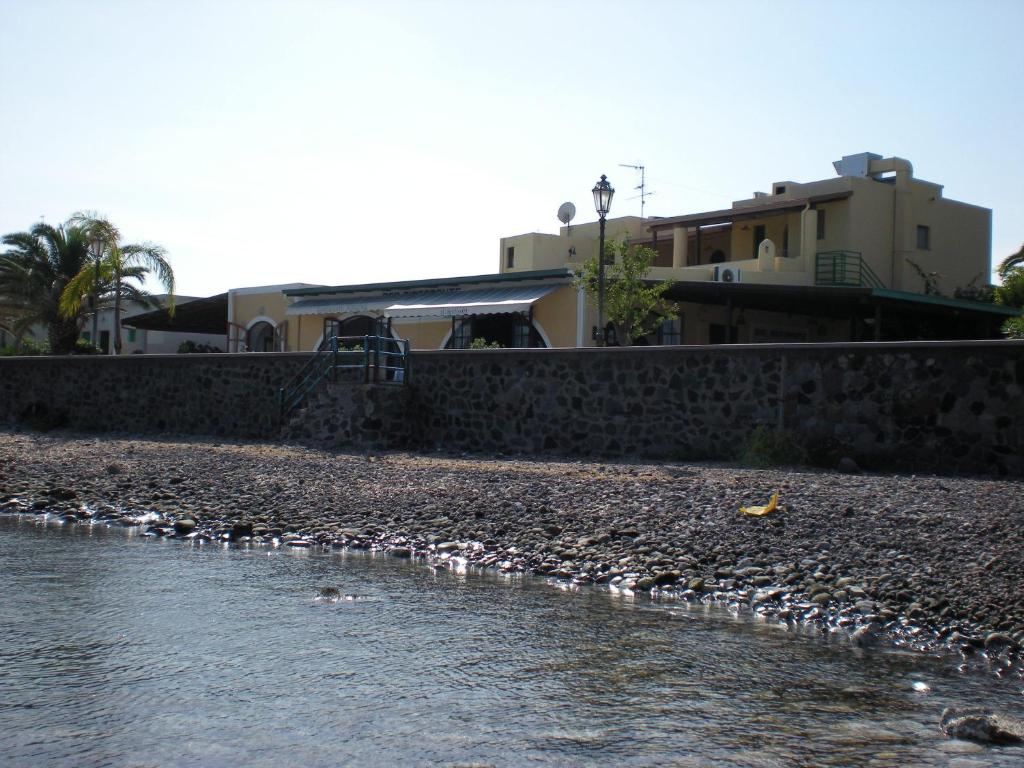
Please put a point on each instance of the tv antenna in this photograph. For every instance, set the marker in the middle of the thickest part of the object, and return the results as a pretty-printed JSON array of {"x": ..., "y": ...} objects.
[{"x": 644, "y": 194}]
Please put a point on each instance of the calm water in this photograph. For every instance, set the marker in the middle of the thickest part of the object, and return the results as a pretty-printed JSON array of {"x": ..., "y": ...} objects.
[{"x": 121, "y": 650}]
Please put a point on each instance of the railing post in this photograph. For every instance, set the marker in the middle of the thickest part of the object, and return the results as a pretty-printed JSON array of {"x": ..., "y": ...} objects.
[
  {"x": 366, "y": 359},
  {"x": 334, "y": 358},
  {"x": 376, "y": 359}
]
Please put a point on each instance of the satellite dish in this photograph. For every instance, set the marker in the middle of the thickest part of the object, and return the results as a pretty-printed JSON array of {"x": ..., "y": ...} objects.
[{"x": 566, "y": 213}]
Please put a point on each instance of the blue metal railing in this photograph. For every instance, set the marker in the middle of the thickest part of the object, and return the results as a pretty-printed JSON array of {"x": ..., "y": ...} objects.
[
  {"x": 383, "y": 360},
  {"x": 844, "y": 268}
]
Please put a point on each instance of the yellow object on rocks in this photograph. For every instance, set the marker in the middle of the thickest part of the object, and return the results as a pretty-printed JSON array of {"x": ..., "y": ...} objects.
[{"x": 761, "y": 511}]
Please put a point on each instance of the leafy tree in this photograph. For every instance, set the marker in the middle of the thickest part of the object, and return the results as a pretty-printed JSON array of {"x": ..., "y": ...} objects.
[
  {"x": 1012, "y": 261},
  {"x": 123, "y": 268},
  {"x": 1011, "y": 292},
  {"x": 34, "y": 273},
  {"x": 633, "y": 304}
]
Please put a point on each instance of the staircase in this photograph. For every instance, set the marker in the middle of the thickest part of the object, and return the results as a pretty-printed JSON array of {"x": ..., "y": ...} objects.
[{"x": 350, "y": 392}]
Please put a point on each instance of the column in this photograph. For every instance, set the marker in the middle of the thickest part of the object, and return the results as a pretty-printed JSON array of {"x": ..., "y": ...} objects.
[{"x": 679, "y": 243}]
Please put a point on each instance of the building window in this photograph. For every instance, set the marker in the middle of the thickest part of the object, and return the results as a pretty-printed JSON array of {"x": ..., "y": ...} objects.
[
  {"x": 924, "y": 238},
  {"x": 758, "y": 237},
  {"x": 785, "y": 242},
  {"x": 131, "y": 335},
  {"x": 510, "y": 257},
  {"x": 821, "y": 224},
  {"x": 462, "y": 333},
  {"x": 671, "y": 331}
]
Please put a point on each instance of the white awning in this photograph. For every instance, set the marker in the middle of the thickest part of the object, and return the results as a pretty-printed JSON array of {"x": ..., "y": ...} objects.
[{"x": 430, "y": 304}]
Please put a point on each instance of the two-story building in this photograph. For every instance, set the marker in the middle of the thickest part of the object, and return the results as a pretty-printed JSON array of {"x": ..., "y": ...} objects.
[{"x": 870, "y": 253}]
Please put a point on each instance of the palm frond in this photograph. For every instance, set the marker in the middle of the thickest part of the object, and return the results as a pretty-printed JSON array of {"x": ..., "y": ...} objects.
[
  {"x": 1011, "y": 262},
  {"x": 78, "y": 288}
]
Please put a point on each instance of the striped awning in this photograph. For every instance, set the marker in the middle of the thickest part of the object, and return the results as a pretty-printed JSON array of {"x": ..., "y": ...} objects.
[{"x": 426, "y": 305}]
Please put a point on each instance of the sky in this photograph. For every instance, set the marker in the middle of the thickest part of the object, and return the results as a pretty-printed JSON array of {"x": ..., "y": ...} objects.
[{"x": 337, "y": 142}]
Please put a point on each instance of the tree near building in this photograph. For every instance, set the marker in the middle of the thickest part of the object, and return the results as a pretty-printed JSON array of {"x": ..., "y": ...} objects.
[
  {"x": 119, "y": 275},
  {"x": 34, "y": 272},
  {"x": 633, "y": 304},
  {"x": 1011, "y": 292}
]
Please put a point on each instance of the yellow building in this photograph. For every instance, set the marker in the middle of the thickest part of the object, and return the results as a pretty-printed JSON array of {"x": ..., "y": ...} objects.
[{"x": 872, "y": 253}]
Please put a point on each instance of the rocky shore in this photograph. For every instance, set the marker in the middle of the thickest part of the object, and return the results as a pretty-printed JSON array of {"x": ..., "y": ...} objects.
[{"x": 924, "y": 562}]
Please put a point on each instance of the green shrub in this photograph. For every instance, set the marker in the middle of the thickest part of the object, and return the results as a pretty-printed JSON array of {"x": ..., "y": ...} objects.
[
  {"x": 767, "y": 447},
  {"x": 26, "y": 347},
  {"x": 189, "y": 347},
  {"x": 1014, "y": 328},
  {"x": 83, "y": 347},
  {"x": 481, "y": 343}
]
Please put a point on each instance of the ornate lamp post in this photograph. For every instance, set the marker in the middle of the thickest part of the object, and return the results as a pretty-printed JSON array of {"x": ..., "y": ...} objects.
[{"x": 603, "y": 193}]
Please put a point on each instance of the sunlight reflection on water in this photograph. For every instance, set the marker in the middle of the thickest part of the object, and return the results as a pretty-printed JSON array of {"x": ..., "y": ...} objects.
[{"x": 117, "y": 649}]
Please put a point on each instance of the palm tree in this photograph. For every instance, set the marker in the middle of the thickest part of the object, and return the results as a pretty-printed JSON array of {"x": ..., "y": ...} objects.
[
  {"x": 1011, "y": 262},
  {"x": 33, "y": 275},
  {"x": 113, "y": 280}
]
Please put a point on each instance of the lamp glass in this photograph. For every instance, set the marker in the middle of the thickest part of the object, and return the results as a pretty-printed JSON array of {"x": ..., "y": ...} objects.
[{"x": 603, "y": 193}]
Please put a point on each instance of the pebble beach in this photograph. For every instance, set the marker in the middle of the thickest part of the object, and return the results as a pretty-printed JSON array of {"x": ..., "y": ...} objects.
[{"x": 926, "y": 562}]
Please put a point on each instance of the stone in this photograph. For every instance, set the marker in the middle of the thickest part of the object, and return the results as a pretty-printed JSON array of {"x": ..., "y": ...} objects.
[
  {"x": 864, "y": 636},
  {"x": 401, "y": 551},
  {"x": 447, "y": 546},
  {"x": 184, "y": 526},
  {"x": 666, "y": 577},
  {"x": 999, "y": 640},
  {"x": 982, "y": 725},
  {"x": 847, "y": 466}
]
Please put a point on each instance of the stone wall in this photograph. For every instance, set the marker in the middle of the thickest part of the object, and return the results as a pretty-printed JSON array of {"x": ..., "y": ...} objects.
[
  {"x": 928, "y": 406},
  {"x": 931, "y": 406},
  {"x": 212, "y": 394}
]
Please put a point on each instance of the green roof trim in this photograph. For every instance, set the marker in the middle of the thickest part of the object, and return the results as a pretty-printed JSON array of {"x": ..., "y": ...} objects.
[
  {"x": 435, "y": 282},
  {"x": 942, "y": 301}
]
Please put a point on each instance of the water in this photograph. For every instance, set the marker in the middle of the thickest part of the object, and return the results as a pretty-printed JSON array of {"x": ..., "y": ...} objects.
[{"x": 121, "y": 650}]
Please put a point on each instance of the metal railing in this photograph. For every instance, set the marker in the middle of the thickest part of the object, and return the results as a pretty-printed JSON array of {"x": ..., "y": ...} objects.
[
  {"x": 844, "y": 268},
  {"x": 383, "y": 360}
]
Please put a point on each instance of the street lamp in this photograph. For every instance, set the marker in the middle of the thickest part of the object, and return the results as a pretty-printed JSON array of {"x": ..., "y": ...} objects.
[{"x": 603, "y": 193}]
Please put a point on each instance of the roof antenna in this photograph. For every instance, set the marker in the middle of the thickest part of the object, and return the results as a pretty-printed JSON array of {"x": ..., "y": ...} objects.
[{"x": 644, "y": 194}]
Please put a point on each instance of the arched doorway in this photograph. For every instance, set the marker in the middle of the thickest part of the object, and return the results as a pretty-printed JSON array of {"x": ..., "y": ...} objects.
[
  {"x": 511, "y": 330},
  {"x": 355, "y": 326},
  {"x": 260, "y": 337}
]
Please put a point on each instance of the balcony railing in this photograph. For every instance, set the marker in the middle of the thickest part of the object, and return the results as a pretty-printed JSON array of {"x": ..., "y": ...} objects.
[{"x": 846, "y": 268}]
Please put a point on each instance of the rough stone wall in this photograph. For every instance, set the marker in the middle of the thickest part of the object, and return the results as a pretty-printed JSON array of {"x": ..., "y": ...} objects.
[
  {"x": 928, "y": 406},
  {"x": 214, "y": 394},
  {"x": 354, "y": 414},
  {"x": 925, "y": 406}
]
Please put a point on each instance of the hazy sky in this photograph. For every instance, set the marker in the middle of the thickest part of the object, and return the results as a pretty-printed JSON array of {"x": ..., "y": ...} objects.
[{"x": 345, "y": 142}]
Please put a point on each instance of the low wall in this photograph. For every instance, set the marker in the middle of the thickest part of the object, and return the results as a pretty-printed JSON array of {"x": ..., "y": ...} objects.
[
  {"x": 932, "y": 406},
  {"x": 946, "y": 407},
  {"x": 212, "y": 394}
]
